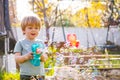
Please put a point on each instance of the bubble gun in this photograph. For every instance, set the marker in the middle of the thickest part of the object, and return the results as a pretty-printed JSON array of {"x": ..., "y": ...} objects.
[{"x": 37, "y": 50}]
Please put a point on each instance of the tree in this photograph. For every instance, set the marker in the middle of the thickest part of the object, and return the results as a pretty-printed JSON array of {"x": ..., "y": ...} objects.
[
  {"x": 90, "y": 16},
  {"x": 111, "y": 16}
]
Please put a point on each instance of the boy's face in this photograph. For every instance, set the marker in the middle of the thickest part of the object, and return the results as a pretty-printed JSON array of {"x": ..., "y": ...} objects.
[{"x": 31, "y": 32}]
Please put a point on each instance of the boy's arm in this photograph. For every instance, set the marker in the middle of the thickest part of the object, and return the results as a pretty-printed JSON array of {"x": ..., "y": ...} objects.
[{"x": 22, "y": 58}]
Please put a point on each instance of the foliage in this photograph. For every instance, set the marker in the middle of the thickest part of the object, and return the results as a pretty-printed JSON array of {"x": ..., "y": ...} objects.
[
  {"x": 50, "y": 72},
  {"x": 65, "y": 19},
  {"x": 50, "y": 63},
  {"x": 1, "y": 76},
  {"x": 90, "y": 16},
  {"x": 65, "y": 22},
  {"x": 111, "y": 14},
  {"x": 9, "y": 76}
]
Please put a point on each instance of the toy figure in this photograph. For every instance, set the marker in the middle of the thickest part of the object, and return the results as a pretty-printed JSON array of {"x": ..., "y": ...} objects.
[{"x": 72, "y": 39}]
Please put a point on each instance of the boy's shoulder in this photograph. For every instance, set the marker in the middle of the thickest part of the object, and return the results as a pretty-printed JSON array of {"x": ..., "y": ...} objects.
[
  {"x": 39, "y": 40},
  {"x": 21, "y": 40},
  {"x": 27, "y": 41}
]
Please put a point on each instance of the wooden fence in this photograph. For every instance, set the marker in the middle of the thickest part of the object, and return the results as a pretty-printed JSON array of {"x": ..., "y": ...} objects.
[{"x": 98, "y": 61}]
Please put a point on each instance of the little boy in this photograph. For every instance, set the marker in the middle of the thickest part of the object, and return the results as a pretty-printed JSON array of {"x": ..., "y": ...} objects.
[{"x": 23, "y": 54}]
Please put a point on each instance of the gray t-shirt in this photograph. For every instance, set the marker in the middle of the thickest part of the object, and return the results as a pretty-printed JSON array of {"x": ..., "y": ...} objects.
[{"x": 26, "y": 68}]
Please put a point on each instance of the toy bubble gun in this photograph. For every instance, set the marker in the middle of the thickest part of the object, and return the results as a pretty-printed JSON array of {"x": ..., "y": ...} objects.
[{"x": 37, "y": 50}]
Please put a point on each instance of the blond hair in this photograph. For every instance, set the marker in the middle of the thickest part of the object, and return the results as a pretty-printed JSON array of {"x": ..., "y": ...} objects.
[{"x": 30, "y": 21}]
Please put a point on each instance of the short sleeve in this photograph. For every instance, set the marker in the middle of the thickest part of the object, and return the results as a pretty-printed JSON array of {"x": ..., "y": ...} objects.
[{"x": 18, "y": 47}]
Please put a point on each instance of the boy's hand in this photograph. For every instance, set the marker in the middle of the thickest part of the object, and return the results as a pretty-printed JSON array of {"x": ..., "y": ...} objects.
[
  {"x": 28, "y": 56},
  {"x": 44, "y": 57},
  {"x": 38, "y": 51}
]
